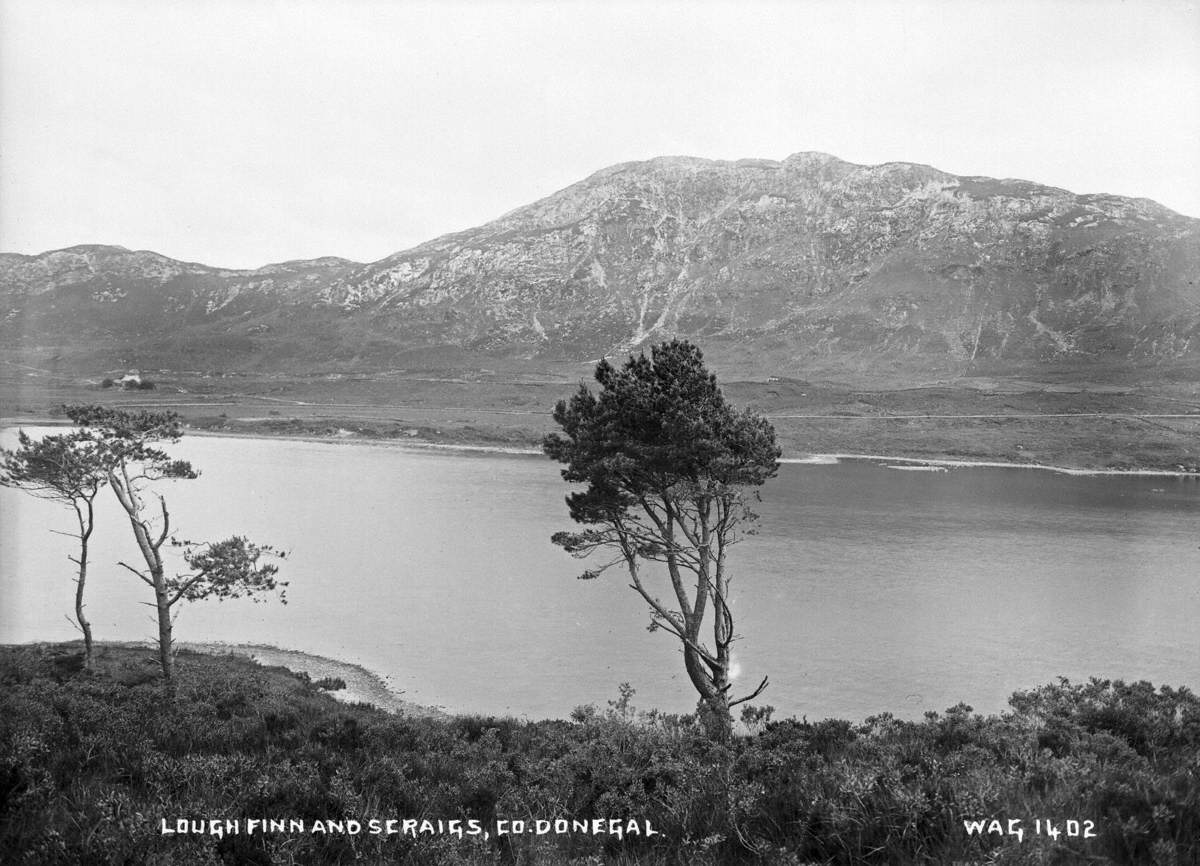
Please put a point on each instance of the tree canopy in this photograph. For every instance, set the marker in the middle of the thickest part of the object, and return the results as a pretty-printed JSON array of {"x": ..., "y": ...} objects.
[
  {"x": 61, "y": 467},
  {"x": 128, "y": 440},
  {"x": 231, "y": 568}
]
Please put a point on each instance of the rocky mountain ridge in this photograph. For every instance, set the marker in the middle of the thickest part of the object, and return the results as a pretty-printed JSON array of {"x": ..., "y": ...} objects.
[{"x": 780, "y": 265}]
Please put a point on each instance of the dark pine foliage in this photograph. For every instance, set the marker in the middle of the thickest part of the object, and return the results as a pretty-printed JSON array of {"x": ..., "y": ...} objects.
[{"x": 658, "y": 422}]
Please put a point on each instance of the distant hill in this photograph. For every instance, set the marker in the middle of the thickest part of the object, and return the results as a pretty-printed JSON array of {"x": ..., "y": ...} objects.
[{"x": 809, "y": 263}]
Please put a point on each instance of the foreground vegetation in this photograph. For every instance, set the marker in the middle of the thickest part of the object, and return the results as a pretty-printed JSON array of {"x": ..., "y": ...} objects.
[{"x": 92, "y": 764}]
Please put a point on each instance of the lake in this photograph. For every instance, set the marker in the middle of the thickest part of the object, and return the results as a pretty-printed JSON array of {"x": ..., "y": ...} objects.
[{"x": 867, "y": 589}]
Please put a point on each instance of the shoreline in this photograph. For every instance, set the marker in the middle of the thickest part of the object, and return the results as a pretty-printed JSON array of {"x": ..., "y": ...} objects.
[
  {"x": 949, "y": 463},
  {"x": 362, "y": 684},
  {"x": 822, "y": 458}
]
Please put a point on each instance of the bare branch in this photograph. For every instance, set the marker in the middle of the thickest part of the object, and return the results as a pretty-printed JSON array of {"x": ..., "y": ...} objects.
[
  {"x": 166, "y": 519},
  {"x": 657, "y": 606},
  {"x": 754, "y": 694},
  {"x": 192, "y": 581},
  {"x": 142, "y": 577},
  {"x": 666, "y": 538}
]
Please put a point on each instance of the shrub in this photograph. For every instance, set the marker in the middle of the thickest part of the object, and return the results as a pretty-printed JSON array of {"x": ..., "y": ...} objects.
[{"x": 91, "y": 762}]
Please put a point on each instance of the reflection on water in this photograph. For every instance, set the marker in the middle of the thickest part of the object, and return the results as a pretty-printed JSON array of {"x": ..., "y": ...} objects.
[{"x": 867, "y": 589}]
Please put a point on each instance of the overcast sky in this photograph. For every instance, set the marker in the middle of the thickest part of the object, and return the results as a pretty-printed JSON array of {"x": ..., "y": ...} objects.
[{"x": 247, "y": 132}]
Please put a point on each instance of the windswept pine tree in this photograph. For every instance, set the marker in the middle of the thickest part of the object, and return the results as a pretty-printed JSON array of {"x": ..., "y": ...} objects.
[
  {"x": 669, "y": 467},
  {"x": 69, "y": 469}
]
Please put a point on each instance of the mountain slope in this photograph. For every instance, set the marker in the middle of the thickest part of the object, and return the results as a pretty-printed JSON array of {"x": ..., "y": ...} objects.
[{"x": 782, "y": 265}]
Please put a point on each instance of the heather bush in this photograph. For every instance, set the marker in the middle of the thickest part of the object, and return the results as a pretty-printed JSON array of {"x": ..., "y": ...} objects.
[{"x": 92, "y": 763}]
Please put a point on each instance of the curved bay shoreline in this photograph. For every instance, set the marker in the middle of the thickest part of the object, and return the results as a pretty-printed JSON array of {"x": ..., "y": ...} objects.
[{"x": 362, "y": 685}]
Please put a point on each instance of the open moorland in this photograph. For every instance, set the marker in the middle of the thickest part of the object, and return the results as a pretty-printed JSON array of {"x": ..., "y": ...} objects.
[{"x": 1119, "y": 423}]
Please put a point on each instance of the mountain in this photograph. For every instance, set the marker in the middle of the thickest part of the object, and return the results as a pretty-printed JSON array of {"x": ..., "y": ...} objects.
[{"x": 775, "y": 266}]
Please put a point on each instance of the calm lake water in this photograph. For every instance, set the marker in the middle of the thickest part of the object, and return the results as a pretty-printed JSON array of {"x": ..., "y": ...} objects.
[{"x": 867, "y": 589}]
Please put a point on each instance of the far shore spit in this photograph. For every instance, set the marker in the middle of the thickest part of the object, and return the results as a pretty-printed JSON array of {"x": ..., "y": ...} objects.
[{"x": 816, "y": 459}]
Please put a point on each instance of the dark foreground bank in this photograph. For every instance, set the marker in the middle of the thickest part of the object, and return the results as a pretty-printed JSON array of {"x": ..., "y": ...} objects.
[{"x": 250, "y": 764}]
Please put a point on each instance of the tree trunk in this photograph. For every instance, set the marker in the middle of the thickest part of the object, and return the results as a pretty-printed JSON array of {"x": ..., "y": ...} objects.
[
  {"x": 127, "y": 496},
  {"x": 85, "y": 533},
  {"x": 715, "y": 718},
  {"x": 166, "y": 657},
  {"x": 713, "y": 707},
  {"x": 84, "y": 625}
]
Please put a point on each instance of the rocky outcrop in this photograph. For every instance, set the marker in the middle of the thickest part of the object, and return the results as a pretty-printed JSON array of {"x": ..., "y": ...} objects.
[{"x": 811, "y": 257}]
